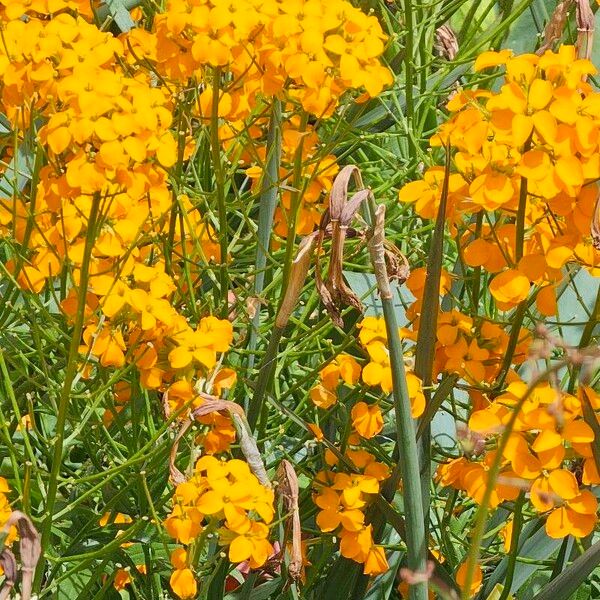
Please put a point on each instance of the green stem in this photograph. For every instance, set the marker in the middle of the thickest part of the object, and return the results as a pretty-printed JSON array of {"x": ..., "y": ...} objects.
[
  {"x": 408, "y": 461},
  {"x": 427, "y": 336},
  {"x": 215, "y": 146},
  {"x": 263, "y": 381},
  {"x": 481, "y": 515},
  {"x": 520, "y": 221},
  {"x": 296, "y": 199},
  {"x": 267, "y": 204},
  {"x": 517, "y": 321},
  {"x": 514, "y": 546},
  {"x": 70, "y": 374}
]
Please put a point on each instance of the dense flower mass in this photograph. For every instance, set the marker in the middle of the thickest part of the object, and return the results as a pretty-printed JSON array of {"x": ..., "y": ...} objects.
[
  {"x": 521, "y": 196},
  {"x": 530, "y": 148},
  {"x": 109, "y": 224},
  {"x": 142, "y": 153}
]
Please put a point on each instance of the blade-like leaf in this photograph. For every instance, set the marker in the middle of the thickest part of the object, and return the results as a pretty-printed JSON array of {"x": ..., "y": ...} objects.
[{"x": 573, "y": 576}]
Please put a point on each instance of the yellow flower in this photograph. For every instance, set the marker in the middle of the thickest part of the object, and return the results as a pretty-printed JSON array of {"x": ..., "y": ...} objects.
[
  {"x": 366, "y": 420},
  {"x": 183, "y": 583}
]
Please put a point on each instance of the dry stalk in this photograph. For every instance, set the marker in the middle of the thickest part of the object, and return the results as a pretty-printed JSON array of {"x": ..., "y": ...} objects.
[
  {"x": 289, "y": 492},
  {"x": 585, "y": 28},
  {"x": 555, "y": 26}
]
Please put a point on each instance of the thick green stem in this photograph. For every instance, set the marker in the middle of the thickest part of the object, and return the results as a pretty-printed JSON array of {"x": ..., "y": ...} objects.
[
  {"x": 408, "y": 461},
  {"x": 427, "y": 337},
  {"x": 70, "y": 374},
  {"x": 267, "y": 204}
]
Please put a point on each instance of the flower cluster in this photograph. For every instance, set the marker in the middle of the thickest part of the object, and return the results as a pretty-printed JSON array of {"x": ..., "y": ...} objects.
[
  {"x": 311, "y": 51},
  {"x": 343, "y": 368},
  {"x": 342, "y": 499},
  {"x": 367, "y": 419},
  {"x": 378, "y": 372},
  {"x": 224, "y": 497},
  {"x": 548, "y": 455},
  {"x": 531, "y": 148}
]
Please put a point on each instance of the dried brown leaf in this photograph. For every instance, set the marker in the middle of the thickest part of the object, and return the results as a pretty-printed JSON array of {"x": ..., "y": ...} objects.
[
  {"x": 335, "y": 223},
  {"x": 446, "y": 42},
  {"x": 9, "y": 566},
  {"x": 298, "y": 274},
  {"x": 29, "y": 548},
  {"x": 246, "y": 439}
]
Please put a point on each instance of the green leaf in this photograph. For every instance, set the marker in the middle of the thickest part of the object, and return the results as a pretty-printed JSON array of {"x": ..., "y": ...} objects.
[
  {"x": 573, "y": 576},
  {"x": 533, "y": 546},
  {"x": 120, "y": 14},
  {"x": 365, "y": 287},
  {"x": 523, "y": 34},
  {"x": 266, "y": 591}
]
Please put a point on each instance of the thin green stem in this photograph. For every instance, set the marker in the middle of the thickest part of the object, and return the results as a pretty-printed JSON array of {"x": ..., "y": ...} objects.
[
  {"x": 514, "y": 545},
  {"x": 70, "y": 374},
  {"x": 215, "y": 147},
  {"x": 263, "y": 380},
  {"x": 409, "y": 74},
  {"x": 492, "y": 476},
  {"x": 296, "y": 199}
]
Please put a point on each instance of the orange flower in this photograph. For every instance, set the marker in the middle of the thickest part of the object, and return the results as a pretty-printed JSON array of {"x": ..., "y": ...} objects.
[
  {"x": 183, "y": 583},
  {"x": 122, "y": 579},
  {"x": 509, "y": 288},
  {"x": 461, "y": 575},
  {"x": 366, "y": 420}
]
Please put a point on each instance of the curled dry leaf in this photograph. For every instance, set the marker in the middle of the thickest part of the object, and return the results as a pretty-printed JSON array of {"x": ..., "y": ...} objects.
[
  {"x": 397, "y": 264},
  {"x": 446, "y": 43},
  {"x": 298, "y": 274},
  {"x": 336, "y": 222},
  {"x": 252, "y": 306},
  {"x": 289, "y": 492},
  {"x": 29, "y": 550},
  {"x": 9, "y": 565},
  {"x": 246, "y": 439}
]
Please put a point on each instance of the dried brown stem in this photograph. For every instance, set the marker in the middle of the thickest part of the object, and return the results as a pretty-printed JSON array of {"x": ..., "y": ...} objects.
[{"x": 289, "y": 491}]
